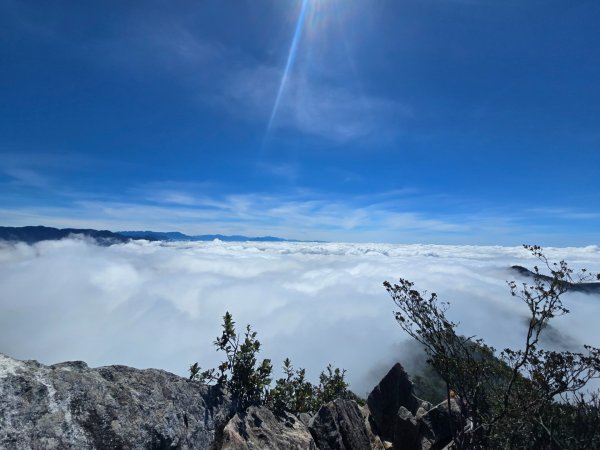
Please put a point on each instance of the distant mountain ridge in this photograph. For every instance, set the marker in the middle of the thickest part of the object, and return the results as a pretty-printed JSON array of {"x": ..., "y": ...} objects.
[
  {"x": 177, "y": 236},
  {"x": 586, "y": 287},
  {"x": 33, "y": 234}
]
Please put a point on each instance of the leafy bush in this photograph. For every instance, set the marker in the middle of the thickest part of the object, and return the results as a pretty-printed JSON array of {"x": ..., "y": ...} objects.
[
  {"x": 249, "y": 382},
  {"x": 293, "y": 392},
  {"x": 332, "y": 385}
]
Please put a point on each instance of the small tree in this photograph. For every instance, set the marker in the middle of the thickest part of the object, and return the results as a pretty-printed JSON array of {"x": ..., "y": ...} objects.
[
  {"x": 246, "y": 381},
  {"x": 507, "y": 397}
]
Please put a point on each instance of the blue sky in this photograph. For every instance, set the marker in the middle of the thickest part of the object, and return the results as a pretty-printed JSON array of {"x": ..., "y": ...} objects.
[{"x": 434, "y": 121}]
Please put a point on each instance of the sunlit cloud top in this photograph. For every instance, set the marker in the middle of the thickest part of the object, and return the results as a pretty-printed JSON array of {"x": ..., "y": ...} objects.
[{"x": 160, "y": 305}]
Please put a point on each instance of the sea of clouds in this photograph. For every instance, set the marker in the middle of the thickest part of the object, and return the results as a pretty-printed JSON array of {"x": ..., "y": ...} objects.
[{"x": 152, "y": 304}]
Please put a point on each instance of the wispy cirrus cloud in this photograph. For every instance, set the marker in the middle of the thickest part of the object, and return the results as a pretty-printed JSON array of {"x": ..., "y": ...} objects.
[
  {"x": 325, "y": 109},
  {"x": 396, "y": 216},
  {"x": 567, "y": 213},
  {"x": 287, "y": 171},
  {"x": 324, "y": 103},
  {"x": 27, "y": 177},
  {"x": 328, "y": 107},
  {"x": 290, "y": 217}
]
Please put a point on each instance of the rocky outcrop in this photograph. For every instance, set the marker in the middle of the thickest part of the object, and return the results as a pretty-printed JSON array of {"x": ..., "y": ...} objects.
[
  {"x": 339, "y": 425},
  {"x": 439, "y": 424},
  {"x": 407, "y": 423},
  {"x": 406, "y": 430},
  {"x": 584, "y": 287},
  {"x": 375, "y": 440},
  {"x": 392, "y": 392},
  {"x": 260, "y": 429},
  {"x": 71, "y": 406}
]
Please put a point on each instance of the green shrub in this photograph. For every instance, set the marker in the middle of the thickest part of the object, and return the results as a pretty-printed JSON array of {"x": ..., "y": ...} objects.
[
  {"x": 293, "y": 392},
  {"x": 332, "y": 385},
  {"x": 249, "y": 382}
]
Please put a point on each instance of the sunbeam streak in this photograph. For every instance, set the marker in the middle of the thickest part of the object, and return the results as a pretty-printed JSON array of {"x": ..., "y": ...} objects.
[{"x": 290, "y": 61}]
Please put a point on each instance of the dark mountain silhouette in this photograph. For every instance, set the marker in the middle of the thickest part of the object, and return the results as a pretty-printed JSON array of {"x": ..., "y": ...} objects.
[
  {"x": 33, "y": 234},
  {"x": 585, "y": 288}
]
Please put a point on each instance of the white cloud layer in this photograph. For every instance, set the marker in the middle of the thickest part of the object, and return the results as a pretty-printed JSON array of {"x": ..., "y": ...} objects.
[{"x": 160, "y": 305}]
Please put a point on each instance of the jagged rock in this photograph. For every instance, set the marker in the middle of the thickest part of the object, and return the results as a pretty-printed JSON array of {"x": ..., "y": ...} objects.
[
  {"x": 70, "y": 405},
  {"x": 258, "y": 428},
  {"x": 376, "y": 442},
  {"x": 406, "y": 431},
  {"x": 423, "y": 408},
  {"x": 304, "y": 418},
  {"x": 339, "y": 425},
  {"x": 437, "y": 426},
  {"x": 392, "y": 392}
]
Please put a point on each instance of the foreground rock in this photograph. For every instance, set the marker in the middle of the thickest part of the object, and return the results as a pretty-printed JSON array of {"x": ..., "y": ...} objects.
[
  {"x": 258, "y": 428},
  {"x": 375, "y": 440},
  {"x": 406, "y": 430},
  {"x": 71, "y": 406},
  {"x": 339, "y": 425},
  {"x": 438, "y": 425},
  {"x": 405, "y": 423},
  {"x": 395, "y": 390}
]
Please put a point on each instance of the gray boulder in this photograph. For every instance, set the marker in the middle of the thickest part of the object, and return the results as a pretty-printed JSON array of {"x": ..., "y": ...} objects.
[
  {"x": 376, "y": 442},
  {"x": 260, "y": 429},
  {"x": 71, "y": 406},
  {"x": 304, "y": 418},
  {"x": 339, "y": 425},
  {"x": 406, "y": 431},
  {"x": 438, "y": 425},
  {"x": 392, "y": 392}
]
